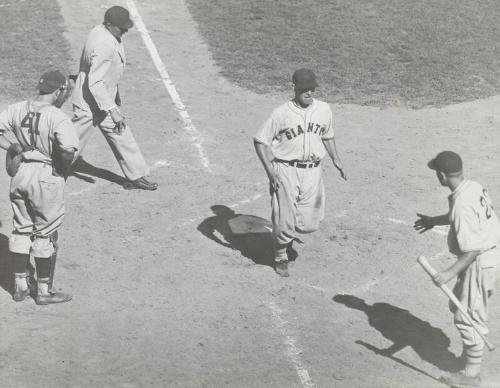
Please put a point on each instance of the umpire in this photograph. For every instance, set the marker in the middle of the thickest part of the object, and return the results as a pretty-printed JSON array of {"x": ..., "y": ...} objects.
[{"x": 96, "y": 99}]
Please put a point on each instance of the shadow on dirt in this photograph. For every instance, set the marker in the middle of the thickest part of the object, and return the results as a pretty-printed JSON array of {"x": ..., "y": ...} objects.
[
  {"x": 81, "y": 166},
  {"x": 251, "y": 235},
  {"x": 6, "y": 270},
  {"x": 404, "y": 329}
]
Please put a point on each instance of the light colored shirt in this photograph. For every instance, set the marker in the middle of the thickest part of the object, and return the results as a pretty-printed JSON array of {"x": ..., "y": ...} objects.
[
  {"x": 101, "y": 67},
  {"x": 474, "y": 225},
  {"x": 36, "y": 127},
  {"x": 296, "y": 133}
]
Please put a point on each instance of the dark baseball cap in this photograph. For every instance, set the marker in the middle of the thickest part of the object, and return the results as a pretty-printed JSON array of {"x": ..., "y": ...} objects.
[
  {"x": 51, "y": 81},
  {"x": 304, "y": 79},
  {"x": 447, "y": 162},
  {"x": 119, "y": 17}
]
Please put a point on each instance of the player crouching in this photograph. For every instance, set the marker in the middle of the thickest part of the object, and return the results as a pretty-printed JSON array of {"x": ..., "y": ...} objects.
[{"x": 38, "y": 164}]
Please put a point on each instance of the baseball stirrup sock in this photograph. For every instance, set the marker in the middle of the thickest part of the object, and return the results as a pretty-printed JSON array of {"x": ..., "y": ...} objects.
[
  {"x": 42, "y": 267},
  {"x": 473, "y": 357},
  {"x": 20, "y": 262}
]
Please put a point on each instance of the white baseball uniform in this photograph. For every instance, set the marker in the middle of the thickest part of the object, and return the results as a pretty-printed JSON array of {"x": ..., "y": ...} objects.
[
  {"x": 474, "y": 226},
  {"x": 295, "y": 136},
  {"x": 101, "y": 66},
  {"x": 36, "y": 195}
]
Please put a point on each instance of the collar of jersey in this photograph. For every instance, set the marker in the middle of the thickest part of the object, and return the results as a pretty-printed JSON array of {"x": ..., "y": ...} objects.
[
  {"x": 455, "y": 193},
  {"x": 298, "y": 108}
]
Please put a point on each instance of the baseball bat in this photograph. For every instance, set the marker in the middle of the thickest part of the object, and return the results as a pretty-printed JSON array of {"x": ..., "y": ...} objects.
[{"x": 431, "y": 271}]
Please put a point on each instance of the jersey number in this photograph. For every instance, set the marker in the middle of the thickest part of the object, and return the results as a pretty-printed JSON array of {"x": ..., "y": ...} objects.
[
  {"x": 31, "y": 121},
  {"x": 485, "y": 203}
]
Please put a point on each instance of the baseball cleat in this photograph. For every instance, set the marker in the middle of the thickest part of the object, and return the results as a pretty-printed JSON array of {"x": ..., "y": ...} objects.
[
  {"x": 20, "y": 295},
  {"x": 53, "y": 297},
  {"x": 281, "y": 269},
  {"x": 460, "y": 380},
  {"x": 140, "y": 184}
]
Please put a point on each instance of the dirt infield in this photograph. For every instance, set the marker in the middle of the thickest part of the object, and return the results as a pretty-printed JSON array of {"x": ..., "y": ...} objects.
[{"x": 165, "y": 296}]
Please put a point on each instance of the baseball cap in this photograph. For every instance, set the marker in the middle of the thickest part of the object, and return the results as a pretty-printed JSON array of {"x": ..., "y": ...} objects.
[
  {"x": 51, "y": 81},
  {"x": 119, "y": 17},
  {"x": 304, "y": 79},
  {"x": 447, "y": 162}
]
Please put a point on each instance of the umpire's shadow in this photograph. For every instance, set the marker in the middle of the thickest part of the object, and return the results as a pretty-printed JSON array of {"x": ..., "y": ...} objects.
[
  {"x": 81, "y": 167},
  {"x": 404, "y": 329},
  {"x": 251, "y": 235}
]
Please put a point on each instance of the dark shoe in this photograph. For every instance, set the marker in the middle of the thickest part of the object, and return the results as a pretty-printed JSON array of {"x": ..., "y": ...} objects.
[
  {"x": 140, "y": 184},
  {"x": 460, "y": 380},
  {"x": 53, "y": 297},
  {"x": 281, "y": 269},
  {"x": 20, "y": 295}
]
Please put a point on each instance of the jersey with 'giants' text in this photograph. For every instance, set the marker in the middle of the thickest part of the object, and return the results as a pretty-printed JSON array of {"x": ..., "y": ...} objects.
[{"x": 296, "y": 133}]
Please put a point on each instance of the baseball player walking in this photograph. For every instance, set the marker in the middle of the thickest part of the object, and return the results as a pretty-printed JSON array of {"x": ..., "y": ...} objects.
[
  {"x": 38, "y": 164},
  {"x": 290, "y": 145},
  {"x": 96, "y": 99},
  {"x": 474, "y": 237}
]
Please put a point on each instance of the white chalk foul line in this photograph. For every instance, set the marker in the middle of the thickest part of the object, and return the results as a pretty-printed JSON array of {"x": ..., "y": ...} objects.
[
  {"x": 292, "y": 352},
  {"x": 167, "y": 81}
]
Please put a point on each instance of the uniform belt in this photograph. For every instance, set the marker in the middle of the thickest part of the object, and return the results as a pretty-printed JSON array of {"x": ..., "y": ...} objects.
[{"x": 299, "y": 163}]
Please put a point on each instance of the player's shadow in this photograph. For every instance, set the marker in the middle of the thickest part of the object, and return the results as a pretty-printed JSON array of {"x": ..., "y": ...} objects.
[
  {"x": 81, "y": 167},
  {"x": 251, "y": 235},
  {"x": 404, "y": 329}
]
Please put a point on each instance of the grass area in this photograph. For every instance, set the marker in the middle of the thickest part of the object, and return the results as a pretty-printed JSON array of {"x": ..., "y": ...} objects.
[
  {"x": 31, "y": 42},
  {"x": 427, "y": 52}
]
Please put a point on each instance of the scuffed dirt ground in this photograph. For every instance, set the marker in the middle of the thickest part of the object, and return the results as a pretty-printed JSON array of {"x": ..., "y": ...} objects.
[{"x": 157, "y": 303}]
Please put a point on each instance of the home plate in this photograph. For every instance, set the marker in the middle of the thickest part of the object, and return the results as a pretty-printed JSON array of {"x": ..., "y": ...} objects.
[{"x": 243, "y": 224}]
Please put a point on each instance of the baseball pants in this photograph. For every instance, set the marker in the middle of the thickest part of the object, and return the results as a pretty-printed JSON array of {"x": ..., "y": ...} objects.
[
  {"x": 473, "y": 289},
  {"x": 124, "y": 146},
  {"x": 37, "y": 199},
  {"x": 299, "y": 203}
]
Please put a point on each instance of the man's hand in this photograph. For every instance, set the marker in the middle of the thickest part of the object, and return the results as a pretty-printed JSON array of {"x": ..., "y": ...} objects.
[
  {"x": 338, "y": 165},
  {"x": 423, "y": 224},
  {"x": 118, "y": 119},
  {"x": 442, "y": 277},
  {"x": 274, "y": 182}
]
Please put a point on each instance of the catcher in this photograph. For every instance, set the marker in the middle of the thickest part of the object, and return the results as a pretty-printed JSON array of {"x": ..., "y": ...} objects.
[{"x": 38, "y": 165}]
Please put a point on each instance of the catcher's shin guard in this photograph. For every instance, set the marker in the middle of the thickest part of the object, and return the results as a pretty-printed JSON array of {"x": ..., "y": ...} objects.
[{"x": 53, "y": 238}]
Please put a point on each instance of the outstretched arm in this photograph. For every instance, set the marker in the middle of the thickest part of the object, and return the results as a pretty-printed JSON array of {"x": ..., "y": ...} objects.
[
  {"x": 331, "y": 148},
  {"x": 424, "y": 223}
]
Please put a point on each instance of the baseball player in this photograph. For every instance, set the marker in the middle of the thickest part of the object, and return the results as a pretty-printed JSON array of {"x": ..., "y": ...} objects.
[
  {"x": 291, "y": 144},
  {"x": 474, "y": 237},
  {"x": 38, "y": 164},
  {"x": 96, "y": 100}
]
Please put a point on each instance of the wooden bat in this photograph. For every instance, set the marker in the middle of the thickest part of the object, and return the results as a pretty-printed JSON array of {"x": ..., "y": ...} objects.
[{"x": 431, "y": 271}]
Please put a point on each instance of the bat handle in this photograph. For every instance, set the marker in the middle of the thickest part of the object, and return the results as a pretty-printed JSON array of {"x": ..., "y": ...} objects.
[{"x": 426, "y": 266}]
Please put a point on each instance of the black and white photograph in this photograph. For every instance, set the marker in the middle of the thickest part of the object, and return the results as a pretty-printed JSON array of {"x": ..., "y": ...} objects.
[{"x": 249, "y": 193}]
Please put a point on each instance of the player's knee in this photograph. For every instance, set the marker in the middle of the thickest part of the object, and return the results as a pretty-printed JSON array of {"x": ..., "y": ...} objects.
[
  {"x": 43, "y": 247},
  {"x": 20, "y": 243}
]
